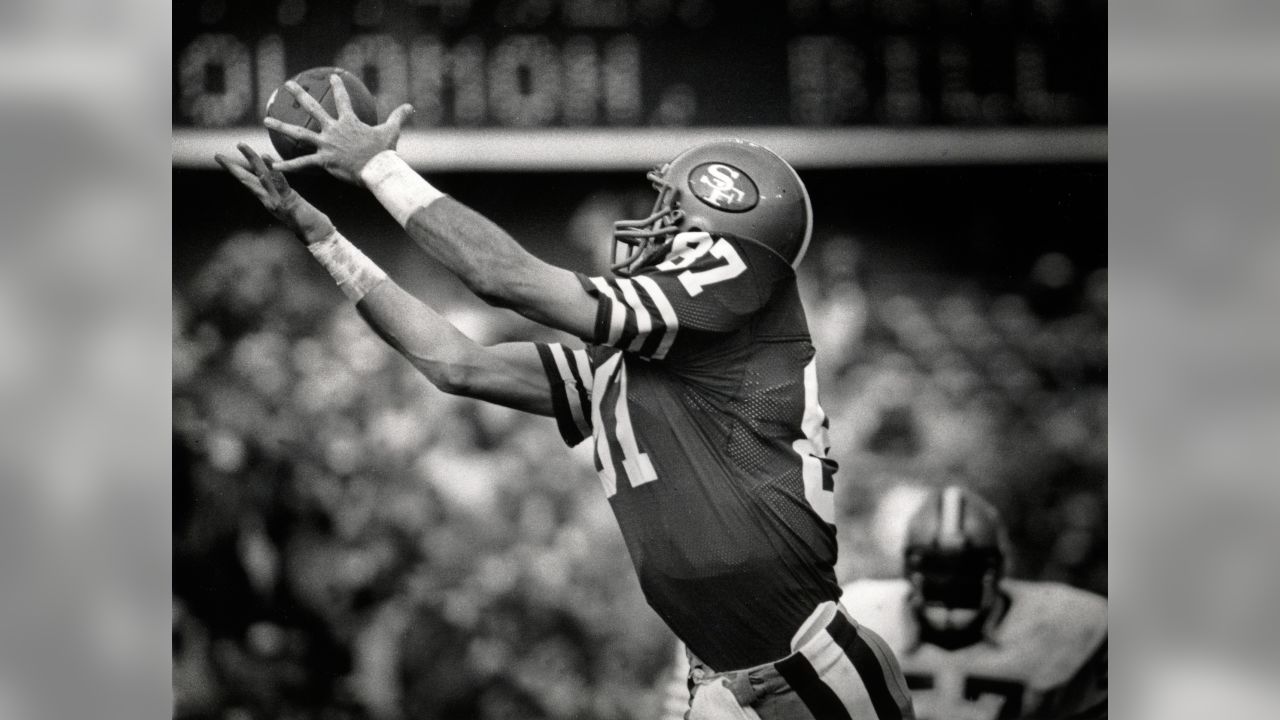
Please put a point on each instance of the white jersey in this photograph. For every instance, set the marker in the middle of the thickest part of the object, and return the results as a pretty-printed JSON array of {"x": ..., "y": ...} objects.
[{"x": 1046, "y": 658}]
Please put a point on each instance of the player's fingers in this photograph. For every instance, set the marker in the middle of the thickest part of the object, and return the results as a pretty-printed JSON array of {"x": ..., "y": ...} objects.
[
  {"x": 298, "y": 163},
  {"x": 399, "y": 115},
  {"x": 259, "y": 167},
  {"x": 341, "y": 100},
  {"x": 245, "y": 177},
  {"x": 269, "y": 178},
  {"x": 275, "y": 181},
  {"x": 255, "y": 161},
  {"x": 239, "y": 171},
  {"x": 308, "y": 103},
  {"x": 226, "y": 162},
  {"x": 297, "y": 132}
]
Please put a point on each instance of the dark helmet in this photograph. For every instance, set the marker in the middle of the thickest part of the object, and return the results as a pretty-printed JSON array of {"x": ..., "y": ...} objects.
[
  {"x": 725, "y": 186},
  {"x": 955, "y": 552}
]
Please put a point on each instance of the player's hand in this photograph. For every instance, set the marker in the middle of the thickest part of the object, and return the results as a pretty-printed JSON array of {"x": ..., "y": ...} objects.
[
  {"x": 344, "y": 144},
  {"x": 263, "y": 178}
]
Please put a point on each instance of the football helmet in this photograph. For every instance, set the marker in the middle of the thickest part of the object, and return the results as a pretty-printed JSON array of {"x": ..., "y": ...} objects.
[
  {"x": 726, "y": 186},
  {"x": 954, "y": 559}
]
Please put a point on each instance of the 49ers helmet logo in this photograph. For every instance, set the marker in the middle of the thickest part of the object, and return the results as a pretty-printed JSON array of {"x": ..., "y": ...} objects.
[{"x": 724, "y": 187}]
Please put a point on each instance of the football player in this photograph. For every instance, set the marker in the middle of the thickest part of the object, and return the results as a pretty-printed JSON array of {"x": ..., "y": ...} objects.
[
  {"x": 973, "y": 644},
  {"x": 697, "y": 390}
]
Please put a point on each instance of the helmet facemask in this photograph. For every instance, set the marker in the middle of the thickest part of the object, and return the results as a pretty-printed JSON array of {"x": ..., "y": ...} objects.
[
  {"x": 640, "y": 243},
  {"x": 954, "y": 592}
]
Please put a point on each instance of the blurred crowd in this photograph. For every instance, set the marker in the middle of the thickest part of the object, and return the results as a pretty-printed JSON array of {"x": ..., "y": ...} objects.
[
  {"x": 930, "y": 379},
  {"x": 351, "y": 543}
]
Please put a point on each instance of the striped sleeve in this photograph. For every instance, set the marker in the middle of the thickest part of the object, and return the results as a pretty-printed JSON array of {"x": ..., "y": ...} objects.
[
  {"x": 707, "y": 284},
  {"x": 569, "y": 374},
  {"x": 633, "y": 314}
]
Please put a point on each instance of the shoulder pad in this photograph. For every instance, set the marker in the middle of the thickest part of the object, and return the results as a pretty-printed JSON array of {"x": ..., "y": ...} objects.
[{"x": 1066, "y": 624}]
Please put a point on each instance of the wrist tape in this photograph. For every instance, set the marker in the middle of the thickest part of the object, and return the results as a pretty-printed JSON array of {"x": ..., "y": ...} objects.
[
  {"x": 400, "y": 190},
  {"x": 354, "y": 272}
]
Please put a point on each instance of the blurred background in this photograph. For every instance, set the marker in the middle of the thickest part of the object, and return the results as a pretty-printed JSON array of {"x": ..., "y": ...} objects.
[{"x": 350, "y": 543}]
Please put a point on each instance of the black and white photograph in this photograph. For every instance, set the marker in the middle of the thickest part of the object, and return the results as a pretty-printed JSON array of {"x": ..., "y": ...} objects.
[{"x": 640, "y": 360}]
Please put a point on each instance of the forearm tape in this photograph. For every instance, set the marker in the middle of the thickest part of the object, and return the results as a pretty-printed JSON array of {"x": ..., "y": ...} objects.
[
  {"x": 400, "y": 190},
  {"x": 354, "y": 272}
]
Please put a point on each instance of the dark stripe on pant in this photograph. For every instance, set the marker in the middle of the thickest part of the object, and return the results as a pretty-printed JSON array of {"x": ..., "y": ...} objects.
[
  {"x": 868, "y": 667},
  {"x": 821, "y": 700}
]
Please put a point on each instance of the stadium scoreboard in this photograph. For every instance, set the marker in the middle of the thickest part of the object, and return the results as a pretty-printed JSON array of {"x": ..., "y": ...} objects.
[{"x": 657, "y": 63}]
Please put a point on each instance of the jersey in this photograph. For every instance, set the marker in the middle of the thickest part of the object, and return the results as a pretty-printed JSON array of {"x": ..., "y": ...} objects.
[
  {"x": 1046, "y": 657},
  {"x": 699, "y": 393}
]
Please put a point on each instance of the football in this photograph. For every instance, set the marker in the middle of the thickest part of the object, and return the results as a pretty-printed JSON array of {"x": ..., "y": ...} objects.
[{"x": 284, "y": 107}]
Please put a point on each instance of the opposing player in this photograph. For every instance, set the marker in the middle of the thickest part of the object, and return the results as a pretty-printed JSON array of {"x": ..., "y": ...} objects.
[
  {"x": 697, "y": 390},
  {"x": 973, "y": 644}
]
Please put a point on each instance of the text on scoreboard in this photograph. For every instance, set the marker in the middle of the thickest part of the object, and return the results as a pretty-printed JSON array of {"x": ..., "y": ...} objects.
[{"x": 566, "y": 63}]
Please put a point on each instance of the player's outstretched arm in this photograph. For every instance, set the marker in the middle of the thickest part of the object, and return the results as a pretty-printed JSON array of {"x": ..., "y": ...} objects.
[
  {"x": 494, "y": 266},
  {"x": 509, "y": 374},
  {"x": 488, "y": 260}
]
